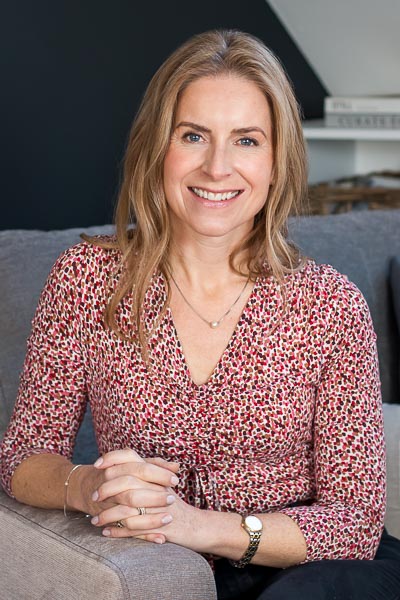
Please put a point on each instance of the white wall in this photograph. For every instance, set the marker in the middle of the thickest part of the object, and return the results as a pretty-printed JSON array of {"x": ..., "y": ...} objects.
[{"x": 353, "y": 45}]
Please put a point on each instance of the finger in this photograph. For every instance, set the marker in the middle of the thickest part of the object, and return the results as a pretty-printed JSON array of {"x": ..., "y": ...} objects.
[
  {"x": 124, "y": 532},
  {"x": 152, "y": 537},
  {"x": 117, "y": 532},
  {"x": 127, "y": 483},
  {"x": 155, "y": 474},
  {"x": 166, "y": 464},
  {"x": 150, "y": 498},
  {"x": 117, "y": 457},
  {"x": 130, "y": 518},
  {"x": 144, "y": 471}
]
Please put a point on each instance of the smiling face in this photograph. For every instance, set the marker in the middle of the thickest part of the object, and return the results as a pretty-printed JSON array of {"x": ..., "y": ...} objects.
[{"x": 218, "y": 167}]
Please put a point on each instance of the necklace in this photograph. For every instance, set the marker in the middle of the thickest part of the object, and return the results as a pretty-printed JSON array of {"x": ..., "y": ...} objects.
[{"x": 212, "y": 324}]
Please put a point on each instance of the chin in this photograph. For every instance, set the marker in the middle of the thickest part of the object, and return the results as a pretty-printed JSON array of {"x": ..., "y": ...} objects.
[{"x": 215, "y": 230}]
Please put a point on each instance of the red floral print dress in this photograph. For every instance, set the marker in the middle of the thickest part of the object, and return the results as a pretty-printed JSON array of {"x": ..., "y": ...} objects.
[{"x": 290, "y": 419}]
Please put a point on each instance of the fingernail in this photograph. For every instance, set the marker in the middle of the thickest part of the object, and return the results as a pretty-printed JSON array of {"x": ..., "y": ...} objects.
[
  {"x": 166, "y": 519},
  {"x": 174, "y": 480},
  {"x": 98, "y": 462},
  {"x": 94, "y": 521},
  {"x": 95, "y": 496},
  {"x": 159, "y": 541},
  {"x": 170, "y": 499},
  {"x": 106, "y": 532}
]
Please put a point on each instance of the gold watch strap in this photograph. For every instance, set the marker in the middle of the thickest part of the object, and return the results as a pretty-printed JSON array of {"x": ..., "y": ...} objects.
[{"x": 255, "y": 537}]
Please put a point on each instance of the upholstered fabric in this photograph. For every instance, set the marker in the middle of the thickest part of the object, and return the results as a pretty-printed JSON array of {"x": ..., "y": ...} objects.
[
  {"x": 45, "y": 556},
  {"x": 395, "y": 285},
  {"x": 391, "y": 413}
]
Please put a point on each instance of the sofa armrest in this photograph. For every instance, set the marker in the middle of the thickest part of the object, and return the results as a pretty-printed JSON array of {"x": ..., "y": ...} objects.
[
  {"x": 391, "y": 413},
  {"x": 43, "y": 555}
]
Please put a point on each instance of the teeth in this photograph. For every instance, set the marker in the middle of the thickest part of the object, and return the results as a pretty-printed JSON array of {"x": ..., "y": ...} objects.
[{"x": 214, "y": 196}]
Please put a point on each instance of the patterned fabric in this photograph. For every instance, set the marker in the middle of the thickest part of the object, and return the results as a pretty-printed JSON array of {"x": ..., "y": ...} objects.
[{"x": 290, "y": 420}]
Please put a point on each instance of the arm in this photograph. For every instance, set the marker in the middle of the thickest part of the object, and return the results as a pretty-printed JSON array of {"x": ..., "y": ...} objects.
[
  {"x": 52, "y": 394},
  {"x": 39, "y": 481},
  {"x": 346, "y": 520}
]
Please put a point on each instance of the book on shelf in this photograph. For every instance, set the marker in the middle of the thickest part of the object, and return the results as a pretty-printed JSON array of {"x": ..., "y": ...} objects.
[
  {"x": 380, "y": 105},
  {"x": 363, "y": 120}
]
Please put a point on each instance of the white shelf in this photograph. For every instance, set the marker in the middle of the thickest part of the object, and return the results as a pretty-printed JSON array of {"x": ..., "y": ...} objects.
[
  {"x": 317, "y": 130},
  {"x": 341, "y": 152}
]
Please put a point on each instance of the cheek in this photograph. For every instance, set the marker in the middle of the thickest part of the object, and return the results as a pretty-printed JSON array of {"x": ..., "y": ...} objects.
[
  {"x": 168, "y": 171},
  {"x": 174, "y": 173},
  {"x": 176, "y": 166},
  {"x": 260, "y": 176},
  {"x": 171, "y": 177},
  {"x": 257, "y": 167},
  {"x": 261, "y": 188}
]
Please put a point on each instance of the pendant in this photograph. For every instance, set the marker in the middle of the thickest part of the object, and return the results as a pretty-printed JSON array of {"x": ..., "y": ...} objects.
[{"x": 214, "y": 324}]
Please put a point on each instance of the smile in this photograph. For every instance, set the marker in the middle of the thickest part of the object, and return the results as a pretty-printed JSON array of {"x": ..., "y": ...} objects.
[{"x": 216, "y": 196}]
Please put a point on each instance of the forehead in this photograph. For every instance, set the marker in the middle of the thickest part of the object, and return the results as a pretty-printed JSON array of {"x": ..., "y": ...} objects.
[{"x": 223, "y": 98}]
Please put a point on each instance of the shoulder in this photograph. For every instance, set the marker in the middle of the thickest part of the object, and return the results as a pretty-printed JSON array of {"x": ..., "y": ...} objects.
[
  {"x": 86, "y": 265},
  {"x": 325, "y": 283},
  {"x": 330, "y": 297},
  {"x": 88, "y": 257}
]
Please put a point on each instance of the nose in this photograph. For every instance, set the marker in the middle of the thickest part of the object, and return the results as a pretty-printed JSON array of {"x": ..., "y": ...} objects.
[{"x": 218, "y": 162}]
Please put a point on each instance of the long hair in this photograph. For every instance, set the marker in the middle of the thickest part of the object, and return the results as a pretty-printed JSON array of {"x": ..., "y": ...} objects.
[{"x": 145, "y": 247}]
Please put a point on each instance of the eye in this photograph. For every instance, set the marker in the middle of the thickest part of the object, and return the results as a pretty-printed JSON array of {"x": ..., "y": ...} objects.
[
  {"x": 192, "y": 138},
  {"x": 247, "y": 141}
]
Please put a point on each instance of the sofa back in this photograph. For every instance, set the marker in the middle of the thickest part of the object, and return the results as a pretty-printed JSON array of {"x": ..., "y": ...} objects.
[{"x": 359, "y": 244}]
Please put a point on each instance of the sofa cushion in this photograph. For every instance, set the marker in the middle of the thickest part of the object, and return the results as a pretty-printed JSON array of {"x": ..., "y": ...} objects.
[
  {"x": 391, "y": 413},
  {"x": 395, "y": 285}
]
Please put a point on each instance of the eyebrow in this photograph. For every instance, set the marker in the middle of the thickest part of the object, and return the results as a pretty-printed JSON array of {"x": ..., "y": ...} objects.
[{"x": 241, "y": 130}]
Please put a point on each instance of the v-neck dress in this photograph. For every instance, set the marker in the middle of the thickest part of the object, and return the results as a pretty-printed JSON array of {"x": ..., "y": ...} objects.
[{"x": 290, "y": 419}]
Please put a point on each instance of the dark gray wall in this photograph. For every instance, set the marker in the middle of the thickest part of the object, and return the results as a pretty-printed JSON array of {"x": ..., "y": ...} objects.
[{"x": 72, "y": 74}]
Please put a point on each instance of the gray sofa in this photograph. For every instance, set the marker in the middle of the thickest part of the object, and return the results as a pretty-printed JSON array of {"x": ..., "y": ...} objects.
[{"x": 42, "y": 554}]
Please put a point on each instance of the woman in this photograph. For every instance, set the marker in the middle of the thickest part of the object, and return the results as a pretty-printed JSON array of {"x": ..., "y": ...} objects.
[{"x": 233, "y": 383}]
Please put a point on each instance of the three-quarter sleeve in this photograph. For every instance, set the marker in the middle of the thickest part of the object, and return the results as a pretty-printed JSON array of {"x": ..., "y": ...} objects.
[
  {"x": 52, "y": 393},
  {"x": 346, "y": 518}
]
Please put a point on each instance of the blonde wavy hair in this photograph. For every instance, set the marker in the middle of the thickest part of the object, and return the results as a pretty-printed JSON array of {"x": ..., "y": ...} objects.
[{"x": 145, "y": 247}]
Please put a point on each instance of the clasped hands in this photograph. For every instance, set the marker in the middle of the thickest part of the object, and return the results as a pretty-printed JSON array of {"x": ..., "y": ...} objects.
[{"x": 129, "y": 482}]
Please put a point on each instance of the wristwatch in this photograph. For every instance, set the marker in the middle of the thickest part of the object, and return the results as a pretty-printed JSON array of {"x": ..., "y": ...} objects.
[{"x": 253, "y": 525}]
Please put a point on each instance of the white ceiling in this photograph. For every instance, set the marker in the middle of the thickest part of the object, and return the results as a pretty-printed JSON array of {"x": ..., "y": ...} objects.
[{"x": 353, "y": 46}]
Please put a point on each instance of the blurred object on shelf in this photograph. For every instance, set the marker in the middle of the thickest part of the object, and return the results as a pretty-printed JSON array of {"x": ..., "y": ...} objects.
[
  {"x": 362, "y": 112},
  {"x": 374, "y": 191},
  {"x": 363, "y": 121}
]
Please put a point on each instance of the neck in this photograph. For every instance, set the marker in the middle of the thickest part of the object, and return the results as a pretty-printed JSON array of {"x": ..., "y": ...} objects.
[{"x": 204, "y": 261}]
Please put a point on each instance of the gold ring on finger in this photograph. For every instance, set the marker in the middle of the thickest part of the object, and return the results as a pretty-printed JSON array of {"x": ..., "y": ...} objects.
[{"x": 141, "y": 510}]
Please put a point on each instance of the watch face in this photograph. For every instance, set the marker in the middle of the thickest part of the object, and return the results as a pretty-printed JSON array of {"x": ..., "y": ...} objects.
[{"x": 253, "y": 523}]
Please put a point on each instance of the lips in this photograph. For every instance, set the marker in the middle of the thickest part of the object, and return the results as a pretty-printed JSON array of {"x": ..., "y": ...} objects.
[{"x": 215, "y": 196}]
